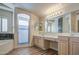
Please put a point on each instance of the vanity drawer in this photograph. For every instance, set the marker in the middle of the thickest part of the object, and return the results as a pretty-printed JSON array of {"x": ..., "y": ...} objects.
[
  {"x": 51, "y": 39},
  {"x": 63, "y": 38}
]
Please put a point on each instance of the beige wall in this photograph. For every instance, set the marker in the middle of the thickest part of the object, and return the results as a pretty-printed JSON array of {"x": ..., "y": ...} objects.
[
  {"x": 42, "y": 22},
  {"x": 33, "y": 18}
]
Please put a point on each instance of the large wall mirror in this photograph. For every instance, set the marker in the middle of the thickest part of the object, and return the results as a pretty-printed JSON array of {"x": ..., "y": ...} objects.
[
  {"x": 59, "y": 24},
  {"x": 51, "y": 25}
]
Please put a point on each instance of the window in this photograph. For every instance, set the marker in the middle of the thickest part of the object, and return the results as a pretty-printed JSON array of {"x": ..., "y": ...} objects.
[
  {"x": 0, "y": 24},
  {"x": 3, "y": 24},
  {"x": 23, "y": 22},
  {"x": 23, "y": 19}
]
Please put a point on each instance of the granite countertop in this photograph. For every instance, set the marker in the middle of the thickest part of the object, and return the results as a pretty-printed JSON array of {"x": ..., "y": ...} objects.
[
  {"x": 51, "y": 36},
  {"x": 47, "y": 35},
  {"x": 74, "y": 35},
  {"x": 56, "y": 35}
]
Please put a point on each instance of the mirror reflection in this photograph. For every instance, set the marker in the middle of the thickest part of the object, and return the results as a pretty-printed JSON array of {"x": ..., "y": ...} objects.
[{"x": 59, "y": 24}]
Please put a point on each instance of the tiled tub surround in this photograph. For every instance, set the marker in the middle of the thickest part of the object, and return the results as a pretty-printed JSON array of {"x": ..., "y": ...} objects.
[
  {"x": 6, "y": 36},
  {"x": 67, "y": 43}
]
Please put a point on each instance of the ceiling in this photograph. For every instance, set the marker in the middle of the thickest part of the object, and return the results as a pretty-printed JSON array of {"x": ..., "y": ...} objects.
[
  {"x": 37, "y": 8},
  {"x": 43, "y": 9}
]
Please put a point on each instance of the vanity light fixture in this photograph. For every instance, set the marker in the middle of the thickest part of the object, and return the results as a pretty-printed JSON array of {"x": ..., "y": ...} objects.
[{"x": 54, "y": 12}]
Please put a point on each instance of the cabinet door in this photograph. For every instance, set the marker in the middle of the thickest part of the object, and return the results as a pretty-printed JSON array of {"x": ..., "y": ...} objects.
[
  {"x": 74, "y": 49},
  {"x": 41, "y": 43},
  {"x": 74, "y": 46},
  {"x": 63, "y": 48},
  {"x": 36, "y": 41},
  {"x": 63, "y": 45}
]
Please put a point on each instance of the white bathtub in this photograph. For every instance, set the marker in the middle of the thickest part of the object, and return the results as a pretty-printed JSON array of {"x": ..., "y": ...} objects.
[{"x": 5, "y": 46}]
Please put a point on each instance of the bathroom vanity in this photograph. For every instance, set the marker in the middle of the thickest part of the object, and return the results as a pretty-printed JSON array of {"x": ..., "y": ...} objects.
[
  {"x": 64, "y": 29},
  {"x": 41, "y": 42},
  {"x": 68, "y": 44}
]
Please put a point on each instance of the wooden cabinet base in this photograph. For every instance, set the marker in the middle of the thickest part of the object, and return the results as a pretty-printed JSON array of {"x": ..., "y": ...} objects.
[
  {"x": 74, "y": 46},
  {"x": 63, "y": 46},
  {"x": 66, "y": 45}
]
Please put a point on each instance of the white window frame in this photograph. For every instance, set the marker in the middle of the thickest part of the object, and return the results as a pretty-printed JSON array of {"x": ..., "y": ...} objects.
[{"x": 3, "y": 26}]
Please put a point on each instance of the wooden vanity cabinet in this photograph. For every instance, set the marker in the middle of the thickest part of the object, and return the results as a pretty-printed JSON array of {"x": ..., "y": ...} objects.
[
  {"x": 74, "y": 46},
  {"x": 63, "y": 45},
  {"x": 40, "y": 42}
]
